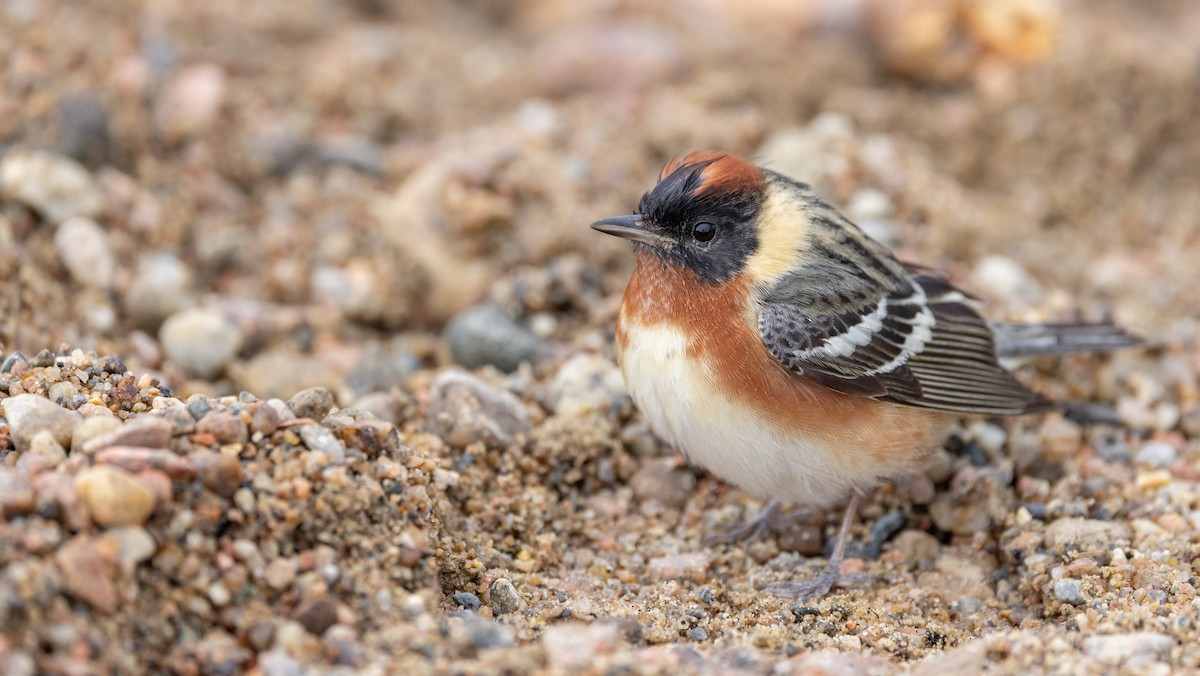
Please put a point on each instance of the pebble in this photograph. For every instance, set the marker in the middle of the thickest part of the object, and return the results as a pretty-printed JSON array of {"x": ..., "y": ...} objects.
[
  {"x": 219, "y": 473},
  {"x": 84, "y": 128},
  {"x": 487, "y": 336},
  {"x": 224, "y": 427},
  {"x": 161, "y": 287},
  {"x": 693, "y": 566},
  {"x": 63, "y": 393},
  {"x": 990, "y": 437},
  {"x": 145, "y": 431},
  {"x": 1005, "y": 279},
  {"x": 276, "y": 662},
  {"x": 280, "y": 573},
  {"x": 374, "y": 438},
  {"x": 574, "y": 645},
  {"x": 138, "y": 459},
  {"x": 191, "y": 101},
  {"x": 487, "y": 634},
  {"x": 319, "y": 438},
  {"x": 1130, "y": 650},
  {"x": 824, "y": 663},
  {"x": 504, "y": 597},
  {"x": 882, "y": 530},
  {"x": 1086, "y": 533},
  {"x": 55, "y": 493},
  {"x": 83, "y": 249},
  {"x": 467, "y": 600},
  {"x": 88, "y": 570},
  {"x": 281, "y": 373},
  {"x": 1068, "y": 590},
  {"x": 660, "y": 479},
  {"x": 28, "y": 414},
  {"x": 133, "y": 546},
  {"x": 47, "y": 448},
  {"x": 587, "y": 382},
  {"x": 114, "y": 496},
  {"x": 91, "y": 429},
  {"x": 316, "y": 614},
  {"x": 16, "y": 493},
  {"x": 1156, "y": 453},
  {"x": 1060, "y": 435},
  {"x": 314, "y": 403},
  {"x": 979, "y": 497},
  {"x": 200, "y": 341},
  {"x": 464, "y": 410},
  {"x": 382, "y": 367},
  {"x": 264, "y": 419},
  {"x": 55, "y": 186},
  {"x": 916, "y": 546}
]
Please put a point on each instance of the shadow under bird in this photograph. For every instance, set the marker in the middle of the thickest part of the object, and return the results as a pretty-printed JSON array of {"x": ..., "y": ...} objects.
[{"x": 765, "y": 336}]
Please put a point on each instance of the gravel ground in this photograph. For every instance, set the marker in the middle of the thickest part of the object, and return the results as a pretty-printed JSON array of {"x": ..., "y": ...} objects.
[{"x": 306, "y": 349}]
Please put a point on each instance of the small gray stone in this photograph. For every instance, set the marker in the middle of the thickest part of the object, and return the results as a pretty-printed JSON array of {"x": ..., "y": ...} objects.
[
  {"x": 1069, "y": 590},
  {"x": 314, "y": 403},
  {"x": 84, "y": 129},
  {"x": 464, "y": 409},
  {"x": 660, "y": 479},
  {"x": 160, "y": 288},
  {"x": 1156, "y": 453},
  {"x": 587, "y": 382},
  {"x": 276, "y": 662},
  {"x": 201, "y": 341},
  {"x": 319, "y": 438},
  {"x": 486, "y": 335},
  {"x": 83, "y": 249},
  {"x": 382, "y": 367},
  {"x": 467, "y": 600},
  {"x": 28, "y": 414},
  {"x": 505, "y": 598},
  {"x": 485, "y": 634}
]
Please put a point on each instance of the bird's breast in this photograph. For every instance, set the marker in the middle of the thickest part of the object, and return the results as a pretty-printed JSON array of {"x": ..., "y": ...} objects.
[{"x": 697, "y": 369}]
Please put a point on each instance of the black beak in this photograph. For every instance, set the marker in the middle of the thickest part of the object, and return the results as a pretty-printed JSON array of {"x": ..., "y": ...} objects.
[{"x": 632, "y": 228}]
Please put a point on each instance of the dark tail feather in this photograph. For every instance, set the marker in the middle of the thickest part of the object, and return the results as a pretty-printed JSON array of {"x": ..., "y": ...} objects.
[{"x": 1029, "y": 340}]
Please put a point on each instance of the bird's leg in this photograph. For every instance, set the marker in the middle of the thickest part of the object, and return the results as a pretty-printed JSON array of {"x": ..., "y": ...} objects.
[
  {"x": 807, "y": 590},
  {"x": 772, "y": 517}
]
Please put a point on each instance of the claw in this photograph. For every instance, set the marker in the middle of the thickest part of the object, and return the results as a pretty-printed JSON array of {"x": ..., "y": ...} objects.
[{"x": 807, "y": 590}]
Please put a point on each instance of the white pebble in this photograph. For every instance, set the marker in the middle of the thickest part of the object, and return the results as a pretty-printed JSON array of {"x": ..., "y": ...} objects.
[{"x": 83, "y": 248}]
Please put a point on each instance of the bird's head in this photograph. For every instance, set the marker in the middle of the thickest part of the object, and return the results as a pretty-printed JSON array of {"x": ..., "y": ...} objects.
[{"x": 703, "y": 214}]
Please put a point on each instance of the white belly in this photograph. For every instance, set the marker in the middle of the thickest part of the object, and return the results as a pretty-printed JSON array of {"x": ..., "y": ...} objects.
[{"x": 737, "y": 443}]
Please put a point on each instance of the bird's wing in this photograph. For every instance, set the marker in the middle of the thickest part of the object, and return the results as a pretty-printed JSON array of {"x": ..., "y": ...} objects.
[{"x": 910, "y": 340}]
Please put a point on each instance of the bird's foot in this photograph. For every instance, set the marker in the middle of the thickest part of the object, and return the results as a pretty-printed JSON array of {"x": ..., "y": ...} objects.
[
  {"x": 807, "y": 590},
  {"x": 816, "y": 587},
  {"x": 770, "y": 519}
]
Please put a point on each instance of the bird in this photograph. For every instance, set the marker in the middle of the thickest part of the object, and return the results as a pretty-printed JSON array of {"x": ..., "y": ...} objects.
[{"x": 769, "y": 340}]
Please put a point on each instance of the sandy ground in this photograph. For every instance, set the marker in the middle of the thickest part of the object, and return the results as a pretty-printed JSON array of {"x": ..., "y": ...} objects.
[{"x": 307, "y": 347}]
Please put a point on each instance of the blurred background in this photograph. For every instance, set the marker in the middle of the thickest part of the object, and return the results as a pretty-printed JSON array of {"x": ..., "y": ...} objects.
[{"x": 283, "y": 193}]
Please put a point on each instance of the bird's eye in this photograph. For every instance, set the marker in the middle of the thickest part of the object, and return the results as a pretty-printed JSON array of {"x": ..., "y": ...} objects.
[{"x": 704, "y": 231}]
